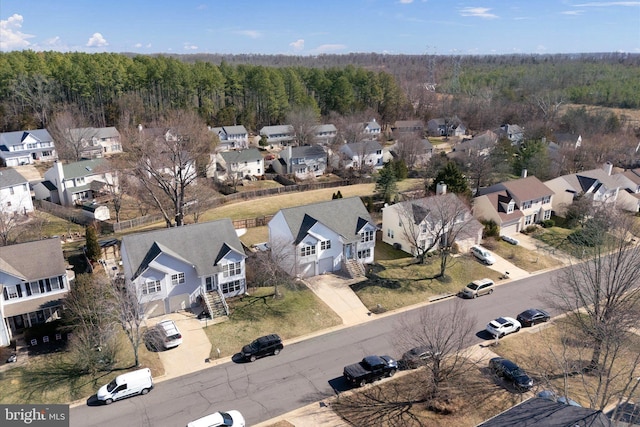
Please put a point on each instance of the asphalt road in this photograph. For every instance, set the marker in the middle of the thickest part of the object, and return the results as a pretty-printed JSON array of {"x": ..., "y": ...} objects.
[{"x": 304, "y": 372}]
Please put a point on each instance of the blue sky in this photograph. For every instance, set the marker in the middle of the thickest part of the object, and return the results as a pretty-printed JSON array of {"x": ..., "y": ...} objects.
[{"x": 312, "y": 27}]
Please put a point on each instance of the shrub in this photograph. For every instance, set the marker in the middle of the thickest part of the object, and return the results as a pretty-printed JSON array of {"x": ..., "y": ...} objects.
[
  {"x": 548, "y": 223},
  {"x": 491, "y": 229}
]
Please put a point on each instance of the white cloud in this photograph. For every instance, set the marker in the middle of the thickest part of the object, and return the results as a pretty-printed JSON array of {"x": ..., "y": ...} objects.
[
  {"x": 297, "y": 45},
  {"x": 479, "y": 12},
  {"x": 608, "y": 3},
  {"x": 96, "y": 40},
  {"x": 326, "y": 48},
  {"x": 10, "y": 35},
  {"x": 253, "y": 34},
  {"x": 572, "y": 12},
  {"x": 189, "y": 46},
  {"x": 406, "y": 1}
]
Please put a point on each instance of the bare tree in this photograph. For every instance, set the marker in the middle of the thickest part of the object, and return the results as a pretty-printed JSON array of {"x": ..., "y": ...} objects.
[
  {"x": 164, "y": 162},
  {"x": 304, "y": 120},
  {"x": 600, "y": 292},
  {"x": 8, "y": 227},
  {"x": 410, "y": 148},
  {"x": 70, "y": 130},
  {"x": 130, "y": 315},
  {"x": 436, "y": 222}
]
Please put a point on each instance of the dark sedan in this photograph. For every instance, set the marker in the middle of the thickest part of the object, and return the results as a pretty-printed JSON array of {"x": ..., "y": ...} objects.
[
  {"x": 532, "y": 316},
  {"x": 511, "y": 372}
]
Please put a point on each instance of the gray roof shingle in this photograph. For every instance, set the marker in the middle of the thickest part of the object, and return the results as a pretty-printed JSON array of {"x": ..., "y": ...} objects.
[
  {"x": 10, "y": 178},
  {"x": 25, "y": 260}
]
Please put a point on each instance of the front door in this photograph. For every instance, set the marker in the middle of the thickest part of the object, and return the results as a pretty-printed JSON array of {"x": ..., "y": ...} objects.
[{"x": 348, "y": 251}]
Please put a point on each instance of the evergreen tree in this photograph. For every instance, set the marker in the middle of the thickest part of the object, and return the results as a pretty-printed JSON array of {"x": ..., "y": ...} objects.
[
  {"x": 453, "y": 178},
  {"x": 386, "y": 184},
  {"x": 93, "y": 246}
]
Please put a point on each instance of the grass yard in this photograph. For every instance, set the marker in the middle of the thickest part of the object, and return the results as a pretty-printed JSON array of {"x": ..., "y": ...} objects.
[
  {"x": 51, "y": 378},
  {"x": 399, "y": 282},
  {"x": 255, "y": 235},
  {"x": 298, "y": 313},
  {"x": 526, "y": 259}
]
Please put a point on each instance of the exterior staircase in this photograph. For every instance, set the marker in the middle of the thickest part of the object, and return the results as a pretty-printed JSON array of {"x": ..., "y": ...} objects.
[
  {"x": 354, "y": 269},
  {"x": 215, "y": 304}
]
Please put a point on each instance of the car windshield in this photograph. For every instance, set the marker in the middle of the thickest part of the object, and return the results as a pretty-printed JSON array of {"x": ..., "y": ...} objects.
[
  {"x": 472, "y": 286},
  {"x": 112, "y": 385},
  {"x": 226, "y": 419}
]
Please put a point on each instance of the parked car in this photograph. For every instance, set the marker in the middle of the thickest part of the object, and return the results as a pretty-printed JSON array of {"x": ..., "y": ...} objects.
[
  {"x": 369, "y": 369},
  {"x": 483, "y": 254},
  {"x": 503, "y": 326},
  {"x": 510, "y": 239},
  {"x": 169, "y": 333},
  {"x": 416, "y": 357},
  {"x": 509, "y": 371},
  {"x": 532, "y": 316},
  {"x": 229, "y": 418},
  {"x": 126, "y": 385},
  {"x": 478, "y": 287},
  {"x": 264, "y": 346}
]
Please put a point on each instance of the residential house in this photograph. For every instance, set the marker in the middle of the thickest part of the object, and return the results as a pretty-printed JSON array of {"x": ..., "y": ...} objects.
[
  {"x": 514, "y": 133},
  {"x": 362, "y": 154},
  {"x": 97, "y": 142},
  {"x": 514, "y": 205},
  {"x": 372, "y": 130},
  {"x": 231, "y": 137},
  {"x": 305, "y": 161},
  {"x": 415, "y": 152},
  {"x": 32, "y": 291},
  {"x": 75, "y": 183},
  {"x": 323, "y": 237},
  {"x": 479, "y": 145},
  {"x": 537, "y": 412},
  {"x": 179, "y": 268},
  {"x": 278, "y": 135},
  {"x": 629, "y": 194},
  {"x": 236, "y": 164},
  {"x": 408, "y": 126},
  {"x": 597, "y": 184},
  {"x": 15, "y": 195},
  {"x": 324, "y": 134},
  {"x": 459, "y": 131},
  {"x": 26, "y": 147},
  {"x": 418, "y": 224},
  {"x": 437, "y": 127}
]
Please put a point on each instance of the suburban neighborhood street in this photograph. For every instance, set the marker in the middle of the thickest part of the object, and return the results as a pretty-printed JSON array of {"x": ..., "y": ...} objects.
[{"x": 304, "y": 372}]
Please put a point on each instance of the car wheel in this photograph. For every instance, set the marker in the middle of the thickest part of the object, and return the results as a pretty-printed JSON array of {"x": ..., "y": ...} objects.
[
  {"x": 362, "y": 383},
  {"x": 391, "y": 373},
  {"x": 276, "y": 351},
  {"x": 108, "y": 401},
  {"x": 475, "y": 295},
  {"x": 144, "y": 391},
  {"x": 501, "y": 335},
  {"x": 518, "y": 328},
  {"x": 490, "y": 291},
  {"x": 252, "y": 358}
]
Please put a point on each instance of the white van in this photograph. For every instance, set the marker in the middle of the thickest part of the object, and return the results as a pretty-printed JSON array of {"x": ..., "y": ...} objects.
[
  {"x": 125, "y": 385},
  {"x": 229, "y": 418}
]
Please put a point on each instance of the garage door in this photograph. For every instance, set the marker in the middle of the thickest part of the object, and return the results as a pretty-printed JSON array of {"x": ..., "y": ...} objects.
[
  {"x": 509, "y": 230},
  {"x": 325, "y": 265},
  {"x": 307, "y": 270}
]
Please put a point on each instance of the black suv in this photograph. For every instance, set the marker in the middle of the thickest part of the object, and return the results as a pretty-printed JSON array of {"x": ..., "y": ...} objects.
[
  {"x": 511, "y": 372},
  {"x": 263, "y": 346}
]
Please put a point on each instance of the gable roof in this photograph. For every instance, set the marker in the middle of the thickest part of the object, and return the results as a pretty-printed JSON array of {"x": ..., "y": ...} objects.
[
  {"x": 10, "y": 178},
  {"x": 91, "y": 132},
  {"x": 325, "y": 128},
  {"x": 524, "y": 189},
  {"x": 357, "y": 148},
  {"x": 543, "y": 412},
  {"x": 307, "y": 151},
  {"x": 85, "y": 168},
  {"x": 17, "y": 137},
  {"x": 400, "y": 124},
  {"x": 198, "y": 244},
  {"x": 234, "y": 130},
  {"x": 345, "y": 217},
  {"x": 240, "y": 156},
  {"x": 20, "y": 260},
  {"x": 277, "y": 130}
]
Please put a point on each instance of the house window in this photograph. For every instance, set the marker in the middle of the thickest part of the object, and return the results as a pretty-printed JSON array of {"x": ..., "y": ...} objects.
[
  {"x": 178, "y": 278},
  {"x": 546, "y": 215},
  {"x": 24, "y": 187},
  {"x": 510, "y": 207},
  {"x": 364, "y": 254},
  {"x": 308, "y": 250},
  {"x": 12, "y": 292},
  {"x": 230, "y": 287},
  {"x": 527, "y": 204},
  {"x": 11, "y": 190},
  {"x": 151, "y": 287},
  {"x": 528, "y": 220},
  {"x": 366, "y": 236},
  {"x": 325, "y": 244},
  {"x": 231, "y": 269},
  {"x": 546, "y": 199},
  {"x": 46, "y": 154},
  {"x": 390, "y": 233}
]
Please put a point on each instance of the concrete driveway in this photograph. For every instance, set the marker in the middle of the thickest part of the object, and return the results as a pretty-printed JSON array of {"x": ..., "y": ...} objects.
[
  {"x": 190, "y": 356},
  {"x": 334, "y": 290}
]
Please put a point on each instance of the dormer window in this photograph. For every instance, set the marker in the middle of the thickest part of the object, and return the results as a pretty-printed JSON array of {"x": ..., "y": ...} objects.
[{"x": 511, "y": 206}]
